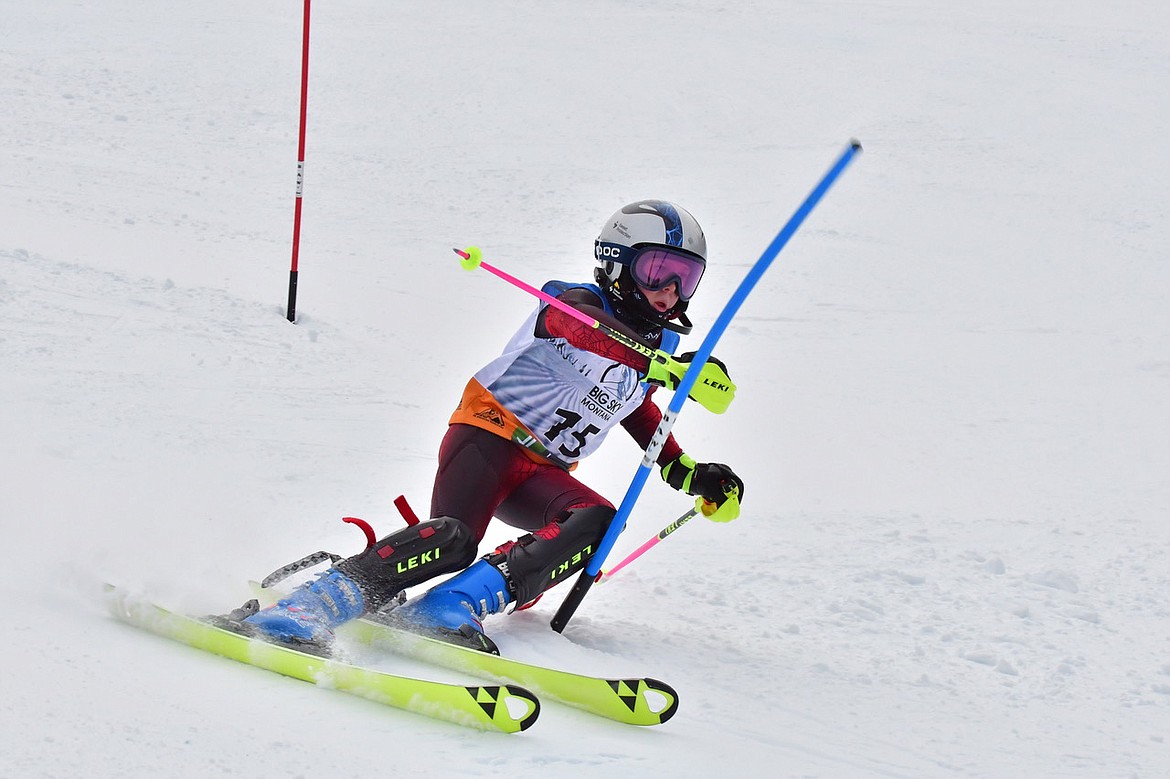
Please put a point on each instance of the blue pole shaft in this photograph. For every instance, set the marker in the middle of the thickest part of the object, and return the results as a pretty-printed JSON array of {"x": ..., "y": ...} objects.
[{"x": 589, "y": 575}]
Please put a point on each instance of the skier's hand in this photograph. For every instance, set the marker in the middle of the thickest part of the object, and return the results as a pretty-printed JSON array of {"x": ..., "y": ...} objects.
[
  {"x": 714, "y": 390},
  {"x": 718, "y": 488}
]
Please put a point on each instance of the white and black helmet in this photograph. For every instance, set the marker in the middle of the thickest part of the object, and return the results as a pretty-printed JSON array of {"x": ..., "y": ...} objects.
[{"x": 630, "y": 241}]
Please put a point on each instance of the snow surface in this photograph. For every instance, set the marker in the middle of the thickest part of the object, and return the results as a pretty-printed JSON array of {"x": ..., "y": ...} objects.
[{"x": 954, "y": 384}]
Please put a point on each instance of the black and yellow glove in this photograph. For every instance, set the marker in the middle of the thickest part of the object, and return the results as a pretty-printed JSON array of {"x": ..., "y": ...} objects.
[
  {"x": 714, "y": 390},
  {"x": 718, "y": 488}
]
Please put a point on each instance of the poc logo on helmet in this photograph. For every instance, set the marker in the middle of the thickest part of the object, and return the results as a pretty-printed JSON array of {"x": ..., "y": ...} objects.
[{"x": 607, "y": 252}]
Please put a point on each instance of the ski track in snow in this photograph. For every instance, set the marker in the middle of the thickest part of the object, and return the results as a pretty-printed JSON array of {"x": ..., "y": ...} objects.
[{"x": 954, "y": 387}]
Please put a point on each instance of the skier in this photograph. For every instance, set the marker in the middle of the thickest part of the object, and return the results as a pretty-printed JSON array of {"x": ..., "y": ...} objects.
[{"x": 524, "y": 421}]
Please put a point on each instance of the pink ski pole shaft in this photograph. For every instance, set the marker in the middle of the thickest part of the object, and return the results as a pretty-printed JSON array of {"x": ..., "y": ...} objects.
[
  {"x": 666, "y": 531},
  {"x": 473, "y": 258}
]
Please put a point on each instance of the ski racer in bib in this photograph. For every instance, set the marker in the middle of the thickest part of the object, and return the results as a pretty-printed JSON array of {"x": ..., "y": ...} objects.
[{"x": 524, "y": 421}]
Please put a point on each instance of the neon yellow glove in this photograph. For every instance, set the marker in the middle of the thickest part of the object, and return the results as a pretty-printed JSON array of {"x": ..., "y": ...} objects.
[
  {"x": 714, "y": 389},
  {"x": 718, "y": 488}
]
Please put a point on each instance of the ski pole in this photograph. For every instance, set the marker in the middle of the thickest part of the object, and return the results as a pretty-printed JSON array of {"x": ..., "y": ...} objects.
[
  {"x": 702, "y": 506},
  {"x": 473, "y": 258},
  {"x": 662, "y": 534},
  {"x": 618, "y": 523}
]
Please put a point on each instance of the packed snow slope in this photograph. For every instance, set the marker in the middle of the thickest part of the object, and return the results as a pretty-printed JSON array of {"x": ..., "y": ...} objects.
[{"x": 954, "y": 383}]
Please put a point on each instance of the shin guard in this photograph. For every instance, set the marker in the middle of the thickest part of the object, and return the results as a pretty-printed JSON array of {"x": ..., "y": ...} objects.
[
  {"x": 408, "y": 557},
  {"x": 544, "y": 558}
]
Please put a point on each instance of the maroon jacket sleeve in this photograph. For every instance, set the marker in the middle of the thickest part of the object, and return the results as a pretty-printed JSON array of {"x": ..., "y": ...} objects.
[
  {"x": 554, "y": 323},
  {"x": 642, "y": 424}
]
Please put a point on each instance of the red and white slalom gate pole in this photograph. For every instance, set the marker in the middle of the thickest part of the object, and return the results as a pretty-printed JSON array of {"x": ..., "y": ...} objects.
[{"x": 296, "y": 242}]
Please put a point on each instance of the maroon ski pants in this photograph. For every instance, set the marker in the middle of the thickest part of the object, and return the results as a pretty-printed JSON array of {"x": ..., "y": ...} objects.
[{"x": 482, "y": 475}]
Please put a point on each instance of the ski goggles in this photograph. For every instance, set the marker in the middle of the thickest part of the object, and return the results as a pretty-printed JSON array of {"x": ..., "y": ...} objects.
[{"x": 656, "y": 267}]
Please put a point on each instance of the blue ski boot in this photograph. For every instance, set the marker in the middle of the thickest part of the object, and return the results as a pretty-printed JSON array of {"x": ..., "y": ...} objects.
[
  {"x": 311, "y": 611},
  {"x": 452, "y": 610}
]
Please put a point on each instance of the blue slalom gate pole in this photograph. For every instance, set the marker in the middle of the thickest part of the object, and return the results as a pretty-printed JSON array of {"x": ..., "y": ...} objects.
[{"x": 618, "y": 523}]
